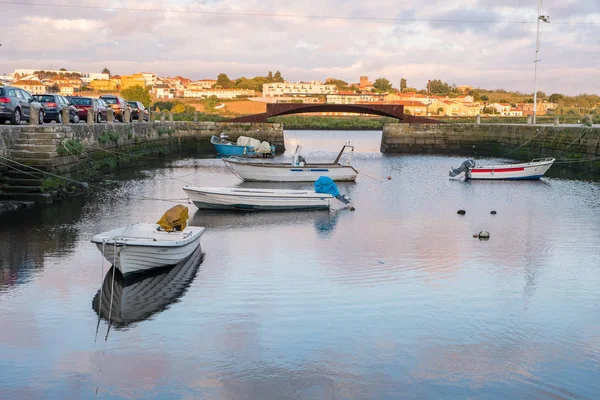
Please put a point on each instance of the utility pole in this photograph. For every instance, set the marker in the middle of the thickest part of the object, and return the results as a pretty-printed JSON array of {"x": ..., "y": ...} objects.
[{"x": 546, "y": 19}]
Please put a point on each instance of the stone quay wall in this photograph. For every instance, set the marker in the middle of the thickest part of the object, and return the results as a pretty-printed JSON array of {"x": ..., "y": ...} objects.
[
  {"x": 85, "y": 151},
  {"x": 573, "y": 143}
]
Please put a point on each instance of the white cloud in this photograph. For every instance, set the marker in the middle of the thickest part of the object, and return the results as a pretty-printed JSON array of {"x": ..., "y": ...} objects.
[{"x": 491, "y": 55}]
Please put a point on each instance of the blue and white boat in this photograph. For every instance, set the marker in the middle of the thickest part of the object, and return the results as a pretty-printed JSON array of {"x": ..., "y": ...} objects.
[
  {"x": 245, "y": 147},
  {"x": 296, "y": 171}
]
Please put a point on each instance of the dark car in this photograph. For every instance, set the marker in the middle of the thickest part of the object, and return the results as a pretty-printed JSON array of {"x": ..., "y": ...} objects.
[
  {"x": 118, "y": 104},
  {"x": 83, "y": 104},
  {"x": 136, "y": 108},
  {"x": 15, "y": 104},
  {"x": 53, "y": 104}
]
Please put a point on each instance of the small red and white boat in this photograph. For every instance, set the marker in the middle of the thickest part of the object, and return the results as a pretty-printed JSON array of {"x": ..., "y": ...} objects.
[{"x": 534, "y": 169}]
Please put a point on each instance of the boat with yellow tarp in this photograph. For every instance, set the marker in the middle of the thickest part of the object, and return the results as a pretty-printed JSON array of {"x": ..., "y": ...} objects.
[{"x": 143, "y": 246}]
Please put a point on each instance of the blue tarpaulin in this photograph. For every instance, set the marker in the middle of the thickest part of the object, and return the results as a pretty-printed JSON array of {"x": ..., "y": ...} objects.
[{"x": 326, "y": 185}]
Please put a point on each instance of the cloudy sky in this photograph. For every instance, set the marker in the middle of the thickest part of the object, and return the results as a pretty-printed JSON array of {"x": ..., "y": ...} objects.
[{"x": 418, "y": 40}]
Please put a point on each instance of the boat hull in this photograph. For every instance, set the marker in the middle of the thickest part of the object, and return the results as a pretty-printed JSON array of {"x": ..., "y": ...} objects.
[
  {"x": 131, "y": 257},
  {"x": 254, "y": 200},
  {"x": 257, "y": 172},
  {"x": 530, "y": 171},
  {"x": 232, "y": 150}
]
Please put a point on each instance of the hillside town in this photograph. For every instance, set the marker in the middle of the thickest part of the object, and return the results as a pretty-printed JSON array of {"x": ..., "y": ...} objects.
[{"x": 461, "y": 102}]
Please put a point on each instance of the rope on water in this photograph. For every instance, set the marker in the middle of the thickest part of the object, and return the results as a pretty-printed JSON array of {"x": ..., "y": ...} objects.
[{"x": 100, "y": 188}]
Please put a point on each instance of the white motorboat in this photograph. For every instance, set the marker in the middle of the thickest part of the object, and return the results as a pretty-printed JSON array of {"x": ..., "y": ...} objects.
[
  {"x": 232, "y": 198},
  {"x": 297, "y": 171},
  {"x": 534, "y": 169},
  {"x": 140, "y": 247}
]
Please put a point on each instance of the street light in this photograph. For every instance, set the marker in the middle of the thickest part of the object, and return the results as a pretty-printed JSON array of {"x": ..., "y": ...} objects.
[{"x": 545, "y": 19}]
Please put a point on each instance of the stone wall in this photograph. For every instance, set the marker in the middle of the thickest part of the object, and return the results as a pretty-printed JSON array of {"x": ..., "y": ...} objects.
[
  {"x": 561, "y": 142},
  {"x": 83, "y": 151}
]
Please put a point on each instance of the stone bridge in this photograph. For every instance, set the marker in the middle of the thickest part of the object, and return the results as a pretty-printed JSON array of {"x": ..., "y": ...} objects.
[{"x": 384, "y": 110}]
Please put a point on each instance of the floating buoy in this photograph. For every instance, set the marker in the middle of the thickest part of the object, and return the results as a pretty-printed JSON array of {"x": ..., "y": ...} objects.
[
  {"x": 475, "y": 235},
  {"x": 493, "y": 213},
  {"x": 389, "y": 178},
  {"x": 352, "y": 208},
  {"x": 484, "y": 235},
  {"x": 461, "y": 212}
]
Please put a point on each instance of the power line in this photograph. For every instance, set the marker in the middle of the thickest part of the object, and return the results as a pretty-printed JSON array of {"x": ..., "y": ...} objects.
[{"x": 271, "y": 15}]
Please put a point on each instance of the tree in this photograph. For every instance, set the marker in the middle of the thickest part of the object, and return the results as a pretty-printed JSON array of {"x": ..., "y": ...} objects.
[
  {"x": 224, "y": 81},
  {"x": 163, "y": 105},
  {"x": 277, "y": 77},
  {"x": 106, "y": 71},
  {"x": 211, "y": 103},
  {"x": 555, "y": 97},
  {"x": 541, "y": 95},
  {"x": 529, "y": 100},
  {"x": 137, "y": 93},
  {"x": 382, "y": 84},
  {"x": 53, "y": 89},
  {"x": 182, "y": 108},
  {"x": 403, "y": 84},
  {"x": 485, "y": 98},
  {"x": 436, "y": 86},
  {"x": 63, "y": 69},
  {"x": 340, "y": 84},
  {"x": 270, "y": 76}
]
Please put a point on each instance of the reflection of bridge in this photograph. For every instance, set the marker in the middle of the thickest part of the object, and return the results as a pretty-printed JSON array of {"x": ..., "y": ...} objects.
[{"x": 383, "y": 110}]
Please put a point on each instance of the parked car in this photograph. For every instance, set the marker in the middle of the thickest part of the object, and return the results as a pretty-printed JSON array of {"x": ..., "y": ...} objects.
[
  {"x": 118, "y": 104},
  {"x": 15, "y": 104},
  {"x": 136, "y": 108},
  {"x": 53, "y": 104},
  {"x": 83, "y": 104}
]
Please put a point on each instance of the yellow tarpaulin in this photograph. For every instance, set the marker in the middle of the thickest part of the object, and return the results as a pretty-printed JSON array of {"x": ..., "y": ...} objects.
[{"x": 174, "y": 219}]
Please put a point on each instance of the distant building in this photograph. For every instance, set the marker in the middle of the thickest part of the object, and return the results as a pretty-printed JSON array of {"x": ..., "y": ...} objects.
[
  {"x": 132, "y": 80},
  {"x": 365, "y": 84},
  {"x": 204, "y": 83},
  {"x": 351, "y": 97},
  {"x": 542, "y": 108},
  {"x": 277, "y": 89},
  {"x": 220, "y": 93},
  {"x": 162, "y": 92},
  {"x": 464, "y": 88},
  {"x": 149, "y": 78},
  {"x": 86, "y": 77},
  {"x": 67, "y": 90},
  {"x": 501, "y": 108},
  {"x": 32, "y": 86},
  {"x": 103, "y": 85}
]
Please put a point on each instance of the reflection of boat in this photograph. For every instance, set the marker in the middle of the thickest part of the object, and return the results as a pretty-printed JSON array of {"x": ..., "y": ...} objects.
[
  {"x": 534, "y": 169},
  {"x": 139, "y": 247},
  {"x": 297, "y": 171},
  {"x": 245, "y": 147},
  {"x": 137, "y": 297},
  {"x": 325, "y": 195}
]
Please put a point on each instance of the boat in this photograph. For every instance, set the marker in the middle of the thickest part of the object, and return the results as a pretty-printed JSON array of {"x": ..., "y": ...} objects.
[
  {"x": 244, "y": 147},
  {"x": 234, "y": 198},
  {"x": 142, "y": 246},
  {"x": 534, "y": 169},
  {"x": 297, "y": 171},
  {"x": 126, "y": 300}
]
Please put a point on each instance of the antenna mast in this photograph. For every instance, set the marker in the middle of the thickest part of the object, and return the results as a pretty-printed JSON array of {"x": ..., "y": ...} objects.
[{"x": 546, "y": 19}]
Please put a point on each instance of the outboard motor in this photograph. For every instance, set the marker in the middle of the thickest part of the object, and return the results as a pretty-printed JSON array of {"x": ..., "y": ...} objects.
[
  {"x": 326, "y": 185},
  {"x": 463, "y": 168}
]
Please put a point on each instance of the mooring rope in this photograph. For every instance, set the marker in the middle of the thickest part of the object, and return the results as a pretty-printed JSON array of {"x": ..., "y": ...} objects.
[
  {"x": 100, "y": 188},
  {"x": 539, "y": 132}
]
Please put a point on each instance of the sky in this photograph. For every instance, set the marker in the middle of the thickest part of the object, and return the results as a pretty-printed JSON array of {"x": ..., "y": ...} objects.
[{"x": 416, "y": 40}]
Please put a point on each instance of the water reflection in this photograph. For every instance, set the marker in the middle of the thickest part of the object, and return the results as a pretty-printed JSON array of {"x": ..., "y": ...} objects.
[{"x": 139, "y": 297}]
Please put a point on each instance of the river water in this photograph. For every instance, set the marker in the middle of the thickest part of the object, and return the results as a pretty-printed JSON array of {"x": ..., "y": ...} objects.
[{"x": 394, "y": 300}]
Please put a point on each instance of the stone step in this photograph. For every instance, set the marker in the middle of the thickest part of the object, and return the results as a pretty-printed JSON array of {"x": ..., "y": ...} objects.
[
  {"x": 45, "y": 135},
  {"x": 25, "y": 174},
  {"x": 21, "y": 189},
  {"x": 35, "y": 147},
  {"x": 23, "y": 181},
  {"x": 25, "y": 154},
  {"x": 40, "y": 198},
  {"x": 43, "y": 142}
]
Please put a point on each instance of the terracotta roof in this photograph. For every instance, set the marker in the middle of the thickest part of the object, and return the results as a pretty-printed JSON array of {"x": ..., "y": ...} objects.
[
  {"x": 345, "y": 92},
  {"x": 29, "y": 83}
]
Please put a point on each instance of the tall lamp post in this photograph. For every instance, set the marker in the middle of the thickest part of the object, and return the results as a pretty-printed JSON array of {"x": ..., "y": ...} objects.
[{"x": 545, "y": 19}]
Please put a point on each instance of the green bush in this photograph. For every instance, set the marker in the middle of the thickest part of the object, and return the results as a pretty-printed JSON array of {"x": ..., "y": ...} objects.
[{"x": 71, "y": 147}]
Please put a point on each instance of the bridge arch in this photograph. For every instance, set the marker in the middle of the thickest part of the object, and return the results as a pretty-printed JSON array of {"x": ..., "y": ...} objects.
[{"x": 383, "y": 110}]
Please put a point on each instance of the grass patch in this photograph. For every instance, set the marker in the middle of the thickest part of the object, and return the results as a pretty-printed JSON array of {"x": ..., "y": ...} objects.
[
  {"x": 71, "y": 147},
  {"x": 50, "y": 184}
]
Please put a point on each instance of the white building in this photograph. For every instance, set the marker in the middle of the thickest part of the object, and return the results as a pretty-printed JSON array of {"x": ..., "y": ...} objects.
[
  {"x": 203, "y": 84},
  {"x": 150, "y": 79},
  {"x": 502, "y": 108},
  {"x": 349, "y": 97},
  {"x": 162, "y": 92},
  {"x": 220, "y": 93},
  {"x": 277, "y": 89}
]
